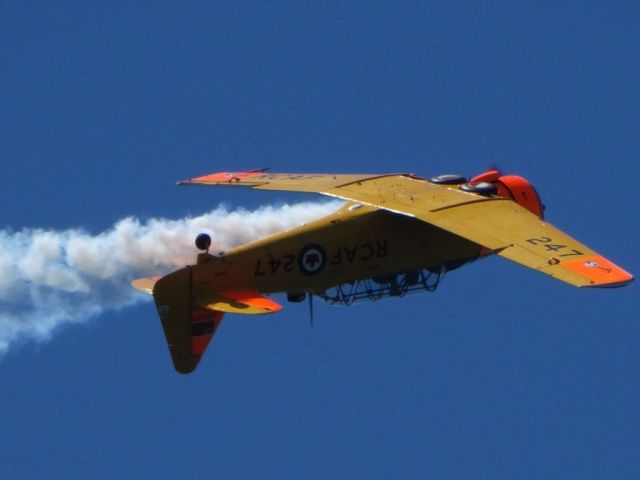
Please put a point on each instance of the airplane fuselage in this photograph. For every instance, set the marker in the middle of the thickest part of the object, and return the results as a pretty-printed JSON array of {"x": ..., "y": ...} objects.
[{"x": 353, "y": 243}]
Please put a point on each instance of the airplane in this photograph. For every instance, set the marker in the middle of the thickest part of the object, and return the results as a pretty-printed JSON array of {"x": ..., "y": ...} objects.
[{"x": 396, "y": 234}]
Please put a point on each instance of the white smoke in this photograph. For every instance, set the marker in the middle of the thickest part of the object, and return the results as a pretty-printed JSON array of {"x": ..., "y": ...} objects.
[{"x": 49, "y": 278}]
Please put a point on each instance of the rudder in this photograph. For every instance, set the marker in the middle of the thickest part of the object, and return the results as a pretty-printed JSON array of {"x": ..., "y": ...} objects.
[{"x": 187, "y": 328}]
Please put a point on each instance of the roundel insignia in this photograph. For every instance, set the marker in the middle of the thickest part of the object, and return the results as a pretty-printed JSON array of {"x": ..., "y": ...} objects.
[{"x": 312, "y": 259}]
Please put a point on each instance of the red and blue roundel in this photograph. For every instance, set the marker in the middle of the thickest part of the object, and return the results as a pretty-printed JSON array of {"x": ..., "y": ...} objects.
[{"x": 312, "y": 259}]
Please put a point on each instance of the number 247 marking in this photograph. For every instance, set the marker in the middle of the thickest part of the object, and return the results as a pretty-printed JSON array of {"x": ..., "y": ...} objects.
[{"x": 547, "y": 243}]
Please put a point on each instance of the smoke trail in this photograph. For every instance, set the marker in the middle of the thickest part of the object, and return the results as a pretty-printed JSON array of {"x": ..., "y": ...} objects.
[{"x": 49, "y": 278}]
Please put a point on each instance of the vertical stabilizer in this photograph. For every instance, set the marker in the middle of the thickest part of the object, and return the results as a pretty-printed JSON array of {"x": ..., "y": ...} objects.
[{"x": 187, "y": 328}]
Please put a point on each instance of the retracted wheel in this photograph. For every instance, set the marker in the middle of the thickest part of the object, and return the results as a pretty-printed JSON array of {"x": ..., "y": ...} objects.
[
  {"x": 448, "y": 179},
  {"x": 481, "y": 188}
]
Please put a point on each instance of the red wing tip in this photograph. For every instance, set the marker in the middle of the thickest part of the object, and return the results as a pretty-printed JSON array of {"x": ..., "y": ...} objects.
[
  {"x": 224, "y": 177},
  {"x": 600, "y": 272}
]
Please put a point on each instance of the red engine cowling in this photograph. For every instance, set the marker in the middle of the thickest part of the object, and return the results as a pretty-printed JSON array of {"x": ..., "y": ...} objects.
[{"x": 515, "y": 187}]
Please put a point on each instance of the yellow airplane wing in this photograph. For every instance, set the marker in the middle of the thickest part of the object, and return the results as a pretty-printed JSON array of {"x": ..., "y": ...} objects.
[
  {"x": 262, "y": 180},
  {"x": 497, "y": 223}
]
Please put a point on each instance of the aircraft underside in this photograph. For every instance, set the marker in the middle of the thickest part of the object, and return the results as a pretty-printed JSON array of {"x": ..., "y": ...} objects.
[
  {"x": 372, "y": 255},
  {"x": 397, "y": 234}
]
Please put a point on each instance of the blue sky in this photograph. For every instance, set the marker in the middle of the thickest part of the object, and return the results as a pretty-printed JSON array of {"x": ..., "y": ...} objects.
[{"x": 502, "y": 373}]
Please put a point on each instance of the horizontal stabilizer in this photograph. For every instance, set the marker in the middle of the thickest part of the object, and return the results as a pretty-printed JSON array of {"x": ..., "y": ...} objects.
[
  {"x": 245, "y": 302},
  {"x": 145, "y": 285}
]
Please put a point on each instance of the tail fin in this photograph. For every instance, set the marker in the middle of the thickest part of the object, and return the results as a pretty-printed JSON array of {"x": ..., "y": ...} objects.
[
  {"x": 187, "y": 328},
  {"x": 190, "y": 316}
]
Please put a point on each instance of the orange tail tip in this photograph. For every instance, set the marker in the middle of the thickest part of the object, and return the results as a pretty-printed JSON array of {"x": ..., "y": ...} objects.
[{"x": 600, "y": 272}]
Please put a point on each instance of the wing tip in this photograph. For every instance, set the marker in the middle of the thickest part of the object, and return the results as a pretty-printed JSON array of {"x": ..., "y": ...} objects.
[
  {"x": 600, "y": 272},
  {"x": 223, "y": 177}
]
